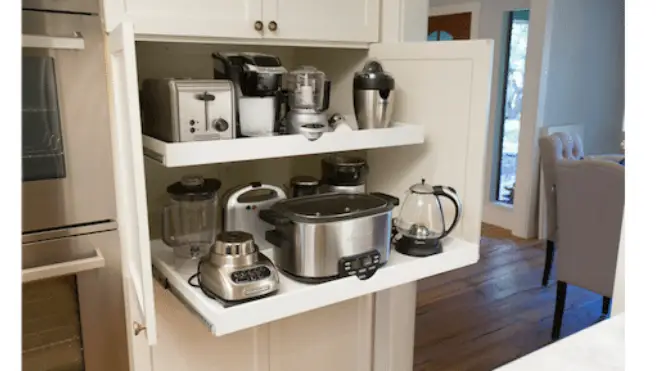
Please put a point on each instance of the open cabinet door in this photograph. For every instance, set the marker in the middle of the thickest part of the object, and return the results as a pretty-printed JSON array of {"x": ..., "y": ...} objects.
[
  {"x": 129, "y": 174},
  {"x": 444, "y": 86}
]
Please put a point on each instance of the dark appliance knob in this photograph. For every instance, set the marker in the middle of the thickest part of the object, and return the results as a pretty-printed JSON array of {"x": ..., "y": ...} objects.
[{"x": 220, "y": 125}]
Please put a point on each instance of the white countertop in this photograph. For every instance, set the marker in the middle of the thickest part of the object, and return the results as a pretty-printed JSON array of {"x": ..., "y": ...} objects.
[{"x": 598, "y": 348}]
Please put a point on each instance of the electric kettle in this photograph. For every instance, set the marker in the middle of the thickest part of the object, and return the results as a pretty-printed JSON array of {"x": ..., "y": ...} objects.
[
  {"x": 420, "y": 226},
  {"x": 189, "y": 222}
]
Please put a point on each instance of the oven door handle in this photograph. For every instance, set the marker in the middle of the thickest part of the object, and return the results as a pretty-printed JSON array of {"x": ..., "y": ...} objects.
[
  {"x": 63, "y": 269},
  {"x": 53, "y": 42}
]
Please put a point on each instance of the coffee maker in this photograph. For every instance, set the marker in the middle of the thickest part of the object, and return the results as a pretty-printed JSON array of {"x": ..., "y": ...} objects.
[
  {"x": 257, "y": 79},
  {"x": 308, "y": 99}
]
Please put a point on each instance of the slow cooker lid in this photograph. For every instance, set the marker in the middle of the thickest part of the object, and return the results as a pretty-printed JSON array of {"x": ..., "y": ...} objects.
[{"x": 331, "y": 207}]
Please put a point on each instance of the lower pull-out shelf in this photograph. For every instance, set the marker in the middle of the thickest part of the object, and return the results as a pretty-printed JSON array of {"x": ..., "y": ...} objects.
[{"x": 294, "y": 297}]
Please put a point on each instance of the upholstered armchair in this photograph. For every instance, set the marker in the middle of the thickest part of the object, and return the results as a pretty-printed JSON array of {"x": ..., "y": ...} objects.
[
  {"x": 589, "y": 208},
  {"x": 553, "y": 148}
]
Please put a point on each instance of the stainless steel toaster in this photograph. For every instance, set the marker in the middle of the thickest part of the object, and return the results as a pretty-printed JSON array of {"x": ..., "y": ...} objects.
[{"x": 187, "y": 110}]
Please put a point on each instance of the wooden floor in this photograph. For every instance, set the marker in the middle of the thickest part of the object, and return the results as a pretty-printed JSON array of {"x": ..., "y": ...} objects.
[{"x": 486, "y": 315}]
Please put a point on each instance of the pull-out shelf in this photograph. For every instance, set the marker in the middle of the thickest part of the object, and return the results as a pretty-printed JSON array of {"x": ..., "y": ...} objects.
[
  {"x": 246, "y": 149},
  {"x": 294, "y": 297}
]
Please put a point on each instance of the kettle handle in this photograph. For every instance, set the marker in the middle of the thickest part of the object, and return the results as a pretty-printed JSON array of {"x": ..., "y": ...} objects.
[{"x": 452, "y": 195}]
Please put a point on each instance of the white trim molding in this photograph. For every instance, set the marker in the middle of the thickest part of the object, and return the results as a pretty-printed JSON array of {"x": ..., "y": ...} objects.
[{"x": 473, "y": 8}]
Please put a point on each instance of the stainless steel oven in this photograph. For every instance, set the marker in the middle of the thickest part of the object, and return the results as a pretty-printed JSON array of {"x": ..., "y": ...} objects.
[
  {"x": 73, "y": 304},
  {"x": 66, "y": 151}
]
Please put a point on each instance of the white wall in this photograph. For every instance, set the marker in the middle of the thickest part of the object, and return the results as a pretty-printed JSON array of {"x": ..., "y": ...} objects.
[
  {"x": 582, "y": 82},
  {"x": 491, "y": 25},
  {"x": 586, "y": 71},
  {"x": 574, "y": 75}
]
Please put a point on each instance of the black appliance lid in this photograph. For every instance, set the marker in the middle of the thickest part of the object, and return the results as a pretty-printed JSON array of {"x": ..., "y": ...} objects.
[
  {"x": 373, "y": 77},
  {"x": 331, "y": 207},
  {"x": 304, "y": 180},
  {"x": 194, "y": 188},
  {"x": 342, "y": 160}
]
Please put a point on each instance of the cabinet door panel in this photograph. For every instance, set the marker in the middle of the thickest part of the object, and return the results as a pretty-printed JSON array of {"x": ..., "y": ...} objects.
[
  {"x": 444, "y": 86},
  {"x": 184, "y": 343},
  {"x": 224, "y": 18},
  {"x": 337, "y": 337},
  {"x": 140, "y": 350},
  {"x": 130, "y": 183},
  {"x": 319, "y": 20}
]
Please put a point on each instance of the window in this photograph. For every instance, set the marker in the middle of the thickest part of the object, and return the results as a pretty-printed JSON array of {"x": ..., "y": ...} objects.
[
  {"x": 511, "y": 107},
  {"x": 441, "y": 36}
]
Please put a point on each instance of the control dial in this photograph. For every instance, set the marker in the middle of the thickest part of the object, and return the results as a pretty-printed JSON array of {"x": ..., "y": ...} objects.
[{"x": 220, "y": 125}]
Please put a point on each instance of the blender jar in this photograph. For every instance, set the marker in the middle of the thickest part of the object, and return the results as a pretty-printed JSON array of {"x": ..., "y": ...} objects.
[
  {"x": 189, "y": 221},
  {"x": 306, "y": 87}
]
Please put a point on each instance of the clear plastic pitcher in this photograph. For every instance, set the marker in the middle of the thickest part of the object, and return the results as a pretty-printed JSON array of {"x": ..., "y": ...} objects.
[{"x": 189, "y": 222}]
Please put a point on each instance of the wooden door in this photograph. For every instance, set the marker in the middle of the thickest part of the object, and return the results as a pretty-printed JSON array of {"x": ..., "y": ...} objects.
[
  {"x": 450, "y": 27},
  {"x": 319, "y": 20}
]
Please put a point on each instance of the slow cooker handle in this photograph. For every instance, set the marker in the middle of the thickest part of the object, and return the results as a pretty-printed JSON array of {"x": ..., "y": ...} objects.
[
  {"x": 391, "y": 200},
  {"x": 273, "y": 218}
]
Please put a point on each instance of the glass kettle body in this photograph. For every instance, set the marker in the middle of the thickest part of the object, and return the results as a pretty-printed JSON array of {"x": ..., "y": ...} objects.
[{"x": 421, "y": 222}]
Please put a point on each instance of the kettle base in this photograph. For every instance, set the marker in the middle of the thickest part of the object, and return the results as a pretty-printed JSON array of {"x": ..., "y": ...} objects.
[{"x": 419, "y": 248}]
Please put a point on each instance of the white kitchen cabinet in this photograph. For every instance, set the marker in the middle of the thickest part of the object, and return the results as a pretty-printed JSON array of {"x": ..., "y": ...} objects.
[
  {"x": 279, "y": 22},
  {"x": 200, "y": 18},
  {"x": 321, "y": 20},
  {"x": 443, "y": 87}
]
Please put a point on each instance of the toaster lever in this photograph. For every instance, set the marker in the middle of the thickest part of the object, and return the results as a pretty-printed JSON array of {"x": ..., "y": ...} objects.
[{"x": 206, "y": 97}]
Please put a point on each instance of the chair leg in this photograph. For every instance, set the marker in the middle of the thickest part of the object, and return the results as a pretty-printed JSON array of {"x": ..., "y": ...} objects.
[
  {"x": 561, "y": 294},
  {"x": 548, "y": 263},
  {"x": 605, "y": 309}
]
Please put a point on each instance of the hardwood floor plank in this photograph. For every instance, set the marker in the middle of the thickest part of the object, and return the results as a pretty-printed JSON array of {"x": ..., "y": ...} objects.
[{"x": 483, "y": 316}]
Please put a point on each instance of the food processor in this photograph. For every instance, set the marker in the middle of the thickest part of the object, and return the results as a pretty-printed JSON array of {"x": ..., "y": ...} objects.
[
  {"x": 308, "y": 95},
  {"x": 189, "y": 221},
  {"x": 420, "y": 226}
]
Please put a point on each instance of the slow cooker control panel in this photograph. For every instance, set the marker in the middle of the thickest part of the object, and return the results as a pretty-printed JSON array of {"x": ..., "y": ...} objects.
[{"x": 362, "y": 266}]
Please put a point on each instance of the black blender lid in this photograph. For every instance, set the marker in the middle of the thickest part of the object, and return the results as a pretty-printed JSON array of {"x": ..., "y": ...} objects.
[
  {"x": 373, "y": 77},
  {"x": 194, "y": 188},
  {"x": 344, "y": 160}
]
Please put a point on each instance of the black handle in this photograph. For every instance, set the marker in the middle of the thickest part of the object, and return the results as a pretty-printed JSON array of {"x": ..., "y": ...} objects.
[
  {"x": 391, "y": 200},
  {"x": 273, "y": 217},
  {"x": 207, "y": 97},
  {"x": 452, "y": 195},
  {"x": 273, "y": 26},
  {"x": 275, "y": 238}
]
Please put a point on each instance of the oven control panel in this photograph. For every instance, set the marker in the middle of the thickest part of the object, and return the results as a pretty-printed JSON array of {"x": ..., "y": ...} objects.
[{"x": 362, "y": 266}]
